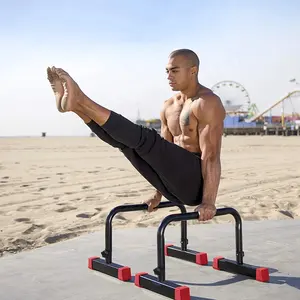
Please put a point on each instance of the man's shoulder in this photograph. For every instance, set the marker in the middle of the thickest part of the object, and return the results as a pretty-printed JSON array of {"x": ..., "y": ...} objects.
[
  {"x": 209, "y": 104},
  {"x": 172, "y": 99},
  {"x": 169, "y": 102},
  {"x": 208, "y": 101}
]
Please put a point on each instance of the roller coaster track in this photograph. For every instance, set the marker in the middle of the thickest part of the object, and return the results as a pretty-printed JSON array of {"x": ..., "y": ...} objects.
[{"x": 257, "y": 116}]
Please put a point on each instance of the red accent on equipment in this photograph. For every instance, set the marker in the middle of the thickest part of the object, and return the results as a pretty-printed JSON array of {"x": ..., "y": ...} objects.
[
  {"x": 137, "y": 278},
  {"x": 216, "y": 262},
  {"x": 262, "y": 274},
  {"x": 124, "y": 273},
  {"x": 166, "y": 248},
  {"x": 201, "y": 258},
  {"x": 90, "y": 262},
  {"x": 182, "y": 293}
]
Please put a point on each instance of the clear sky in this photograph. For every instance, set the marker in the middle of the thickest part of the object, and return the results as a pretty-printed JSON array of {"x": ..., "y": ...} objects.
[{"x": 117, "y": 52}]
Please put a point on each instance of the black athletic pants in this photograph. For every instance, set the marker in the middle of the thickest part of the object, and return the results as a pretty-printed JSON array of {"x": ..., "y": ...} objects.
[{"x": 172, "y": 170}]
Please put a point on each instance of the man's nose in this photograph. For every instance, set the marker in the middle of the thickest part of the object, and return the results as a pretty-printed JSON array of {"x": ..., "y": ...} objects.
[{"x": 170, "y": 76}]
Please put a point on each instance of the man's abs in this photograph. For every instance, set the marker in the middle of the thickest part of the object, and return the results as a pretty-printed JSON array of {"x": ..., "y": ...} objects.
[{"x": 187, "y": 143}]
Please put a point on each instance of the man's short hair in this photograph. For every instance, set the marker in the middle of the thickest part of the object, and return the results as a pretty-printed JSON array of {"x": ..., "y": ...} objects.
[{"x": 190, "y": 55}]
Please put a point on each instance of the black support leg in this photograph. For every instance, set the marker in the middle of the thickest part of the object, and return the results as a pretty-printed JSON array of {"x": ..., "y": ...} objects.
[
  {"x": 171, "y": 290},
  {"x": 238, "y": 266},
  {"x": 106, "y": 265}
]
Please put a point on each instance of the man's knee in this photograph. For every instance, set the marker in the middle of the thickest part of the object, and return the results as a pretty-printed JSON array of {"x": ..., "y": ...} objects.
[{"x": 148, "y": 139}]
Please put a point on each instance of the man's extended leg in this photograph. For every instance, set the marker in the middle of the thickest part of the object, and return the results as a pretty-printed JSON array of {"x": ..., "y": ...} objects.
[
  {"x": 179, "y": 169},
  {"x": 137, "y": 162},
  {"x": 100, "y": 132}
]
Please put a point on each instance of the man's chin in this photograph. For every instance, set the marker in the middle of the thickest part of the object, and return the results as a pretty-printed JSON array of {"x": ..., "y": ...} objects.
[{"x": 174, "y": 88}]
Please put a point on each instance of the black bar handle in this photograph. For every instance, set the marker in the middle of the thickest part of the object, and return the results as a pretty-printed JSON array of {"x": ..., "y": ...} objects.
[
  {"x": 107, "y": 253},
  {"x": 160, "y": 270}
]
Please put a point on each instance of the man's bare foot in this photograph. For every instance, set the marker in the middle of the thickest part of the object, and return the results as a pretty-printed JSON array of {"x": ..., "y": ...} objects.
[
  {"x": 67, "y": 92},
  {"x": 56, "y": 86}
]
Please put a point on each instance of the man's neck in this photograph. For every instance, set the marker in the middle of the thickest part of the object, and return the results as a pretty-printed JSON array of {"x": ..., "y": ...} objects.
[{"x": 191, "y": 91}]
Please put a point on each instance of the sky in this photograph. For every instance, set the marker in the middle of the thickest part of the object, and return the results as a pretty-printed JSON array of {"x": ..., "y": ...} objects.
[{"x": 117, "y": 52}]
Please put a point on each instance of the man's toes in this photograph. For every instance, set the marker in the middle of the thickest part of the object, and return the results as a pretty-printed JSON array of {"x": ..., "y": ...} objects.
[
  {"x": 61, "y": 73},
  {"x": 49, "y": 74},
  {"x": 52, "y": 75},
  {"x": 64, "y": 76},
  {"x": 58, "y": 72}
]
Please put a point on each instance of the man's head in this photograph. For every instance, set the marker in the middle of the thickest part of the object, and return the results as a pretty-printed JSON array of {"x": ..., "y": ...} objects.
[{"x": 182, "y": 69}]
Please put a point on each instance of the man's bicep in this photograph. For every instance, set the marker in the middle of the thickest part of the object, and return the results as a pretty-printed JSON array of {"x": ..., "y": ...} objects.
[
  {"x": 210, "y": 140},
  {"x": 211, "y": 135}
]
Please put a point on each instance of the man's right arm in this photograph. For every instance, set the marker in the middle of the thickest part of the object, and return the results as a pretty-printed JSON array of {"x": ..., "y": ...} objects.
[{"x": 165, "y": 132}]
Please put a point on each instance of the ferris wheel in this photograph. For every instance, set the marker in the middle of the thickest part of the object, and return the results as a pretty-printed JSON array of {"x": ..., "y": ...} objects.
[{"x": 232, "y": 94}]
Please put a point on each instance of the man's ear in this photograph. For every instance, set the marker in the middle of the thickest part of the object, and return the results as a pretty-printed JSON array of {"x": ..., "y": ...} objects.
[{"x": 194, "y": 70}]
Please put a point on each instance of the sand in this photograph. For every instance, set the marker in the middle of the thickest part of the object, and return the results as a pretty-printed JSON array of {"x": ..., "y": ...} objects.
[{"x": 53, "y": 189}]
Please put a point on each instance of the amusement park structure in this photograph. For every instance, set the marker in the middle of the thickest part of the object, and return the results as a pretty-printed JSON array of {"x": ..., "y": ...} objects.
[
  {"x": 241, "y": 113},
  {"x": 235, "y": 97},
  {"x": 284, "y": 118}
]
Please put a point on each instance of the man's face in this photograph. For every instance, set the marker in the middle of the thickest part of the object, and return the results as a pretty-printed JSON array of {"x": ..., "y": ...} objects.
[{"x": 179, "y": 73}]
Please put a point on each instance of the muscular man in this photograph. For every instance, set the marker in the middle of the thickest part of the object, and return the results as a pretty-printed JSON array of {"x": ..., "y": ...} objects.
[{"x": 184, "y": 163}]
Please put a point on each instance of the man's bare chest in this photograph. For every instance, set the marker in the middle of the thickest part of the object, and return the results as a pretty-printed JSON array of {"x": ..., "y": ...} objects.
[{"x": 180, "y": 118}]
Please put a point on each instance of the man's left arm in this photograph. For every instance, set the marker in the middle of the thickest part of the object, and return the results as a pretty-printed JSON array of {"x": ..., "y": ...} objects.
[{"x": 210, "y": 114}]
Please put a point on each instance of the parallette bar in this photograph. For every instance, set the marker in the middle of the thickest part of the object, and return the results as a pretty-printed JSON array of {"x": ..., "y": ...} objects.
[
  {"x": 123, "y": 273},
  {"x": 231, "y": 266},
  {"x": 165, "y": 288},
  {"x": 199, "y": 258}
]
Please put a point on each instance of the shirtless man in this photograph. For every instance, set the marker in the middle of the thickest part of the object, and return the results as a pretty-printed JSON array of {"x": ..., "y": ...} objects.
[
  {"x": 184, "y": 164},
  {"x": 193, "y": 119}
]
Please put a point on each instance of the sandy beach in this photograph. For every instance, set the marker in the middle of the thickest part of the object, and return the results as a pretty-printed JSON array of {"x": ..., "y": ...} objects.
[{"x": 52, "y": 189}]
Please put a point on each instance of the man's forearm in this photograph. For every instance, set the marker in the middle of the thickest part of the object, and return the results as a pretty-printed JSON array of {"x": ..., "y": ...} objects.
[{"x": 211, "y": 172}]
